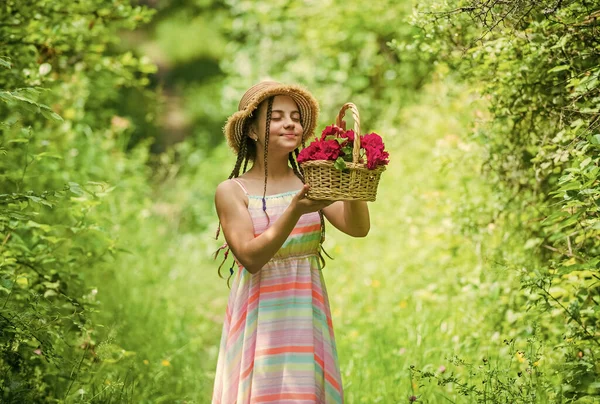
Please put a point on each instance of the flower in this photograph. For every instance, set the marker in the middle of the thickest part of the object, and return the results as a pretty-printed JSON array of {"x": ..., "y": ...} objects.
[
  {"x": 349, "y": 134},
  {"x": 321, "y": 150},
  {"x": 165, "y": 362},
  {"x": 332, "y": 130},
  {"x": 336, "y": 142},
  {"x": 374, "y": 149}
]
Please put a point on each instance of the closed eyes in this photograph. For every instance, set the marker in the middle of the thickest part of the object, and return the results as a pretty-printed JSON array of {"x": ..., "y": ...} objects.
[{"x": 278, "y": 118}]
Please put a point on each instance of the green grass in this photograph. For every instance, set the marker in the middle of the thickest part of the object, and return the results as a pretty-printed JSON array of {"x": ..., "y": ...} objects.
[{"x": 414, "y": 292}]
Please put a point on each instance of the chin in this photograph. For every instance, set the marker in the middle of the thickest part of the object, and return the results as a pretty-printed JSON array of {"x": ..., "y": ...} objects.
[{"x": 288, "y": 144}]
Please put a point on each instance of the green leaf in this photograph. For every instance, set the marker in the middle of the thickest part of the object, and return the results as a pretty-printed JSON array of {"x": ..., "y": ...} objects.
[
  {"x": 39, "y": 156},
  {"x": 75, "y": 188},
  {"x": 43, "y": 227},
  {"x": 5, "y": 63},
  {"x": 49, "y": 114},
  {"x": 559, "y": 68},
  {"x": 340, "y": 164},
  {"x": 585, "y": 162},
  {"x": 532, "y": 243}
]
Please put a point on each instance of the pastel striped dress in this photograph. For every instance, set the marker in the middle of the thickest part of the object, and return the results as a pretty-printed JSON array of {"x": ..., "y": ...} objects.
[{"x": 278, "y": 343}]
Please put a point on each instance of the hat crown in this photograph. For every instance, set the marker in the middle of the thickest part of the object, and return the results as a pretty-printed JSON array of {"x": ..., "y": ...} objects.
[{"x": 251, "y": 93}]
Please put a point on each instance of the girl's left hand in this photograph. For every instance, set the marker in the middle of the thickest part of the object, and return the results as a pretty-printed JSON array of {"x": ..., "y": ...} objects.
[{"x": 302, "y": 204}]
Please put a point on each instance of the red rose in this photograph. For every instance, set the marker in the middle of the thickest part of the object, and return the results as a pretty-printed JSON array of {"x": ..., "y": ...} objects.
[
  {"x": 374, "y": 149},
  {"x": 349, "y": 134},
  {"x": 372, "y": 139},
  {"x": 332, "y": 130},
  {"x": 331, "y": 149},
  {"x": 306, "y": 153},
  {"x": 320, "y": 150}
]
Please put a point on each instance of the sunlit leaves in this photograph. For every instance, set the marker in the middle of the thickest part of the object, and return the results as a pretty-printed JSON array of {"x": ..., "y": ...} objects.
[{"x": 541, "y": 79}]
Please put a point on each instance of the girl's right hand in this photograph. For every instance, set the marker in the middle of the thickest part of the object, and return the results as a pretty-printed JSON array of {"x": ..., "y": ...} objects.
[{"x": 301, "y": 204}]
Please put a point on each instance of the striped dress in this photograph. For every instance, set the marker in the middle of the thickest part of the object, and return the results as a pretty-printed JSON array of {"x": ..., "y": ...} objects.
[{"x": 278, "y": 344}]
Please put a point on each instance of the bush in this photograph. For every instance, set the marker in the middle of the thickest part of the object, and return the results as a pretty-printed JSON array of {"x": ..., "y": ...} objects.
[
  {"x": 536, "y": 64},
  {"x": 55, "y": 64}
]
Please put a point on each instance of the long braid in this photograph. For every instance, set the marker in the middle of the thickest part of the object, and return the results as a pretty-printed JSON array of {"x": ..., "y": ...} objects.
[
  {"x": 300, "y": 174},
  {"x": 242, "y": 154},
  {"x": 238, "y": 162},
  {"x": 241, "y": 157},
  {"x": 249, "y": 144},
  {"x": 266, "y": 155},
  {"x": 295, "y": 166},
  {"x": 246, "y": 159},
  {"x": 300, "y": 170}
]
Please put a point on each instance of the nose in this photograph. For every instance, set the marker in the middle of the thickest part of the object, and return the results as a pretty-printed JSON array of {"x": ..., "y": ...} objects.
[{"x": 289, "y": 123}]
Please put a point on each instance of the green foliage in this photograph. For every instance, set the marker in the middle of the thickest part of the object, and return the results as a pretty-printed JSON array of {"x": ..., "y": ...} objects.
[
  {"x": 517, "y": 380},
  {"x": 339, "y": 50},
  {"x": 485, "y": 221},
  {"x": 61, "y": 142},
  {"x": 537, "y": 65}
]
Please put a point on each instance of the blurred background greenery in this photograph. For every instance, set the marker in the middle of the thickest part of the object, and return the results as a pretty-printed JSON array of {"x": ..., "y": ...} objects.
[{"x": 479, "y": 281}]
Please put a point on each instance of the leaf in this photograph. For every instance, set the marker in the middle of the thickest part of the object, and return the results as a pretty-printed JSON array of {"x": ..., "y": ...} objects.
[
  {"x": 5, "y": 63},
  {"x": 36, "y": 225},
  {"x": 347, "y": 150},
  {"x": 532, "y": 242},
  {"x": 340, "y": 164},
  {"x": 49, "y": 114},
  {"x": 50, "y": 293},
  {"x": 585, "y": 162},
  {"x": 559, "y": 68},
  {"x": 39, "y": 156},
  {"x": 75, "y": 188}
]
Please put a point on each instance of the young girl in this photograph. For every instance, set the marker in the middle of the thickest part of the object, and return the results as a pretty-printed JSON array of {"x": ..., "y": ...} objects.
[{"x": 278, "y": 343}]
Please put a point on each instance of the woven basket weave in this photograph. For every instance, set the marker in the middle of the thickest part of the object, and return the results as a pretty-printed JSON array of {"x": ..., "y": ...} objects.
[{"x": 328, "y": 183}]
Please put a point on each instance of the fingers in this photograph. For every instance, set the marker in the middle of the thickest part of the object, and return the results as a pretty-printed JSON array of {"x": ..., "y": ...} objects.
[
  {"x": 311, "y": 205},
  {"x": 303, "y": 191}
]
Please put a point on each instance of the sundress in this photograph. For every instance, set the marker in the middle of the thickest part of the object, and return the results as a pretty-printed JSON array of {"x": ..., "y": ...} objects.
[{"x": 278, "y": 344}]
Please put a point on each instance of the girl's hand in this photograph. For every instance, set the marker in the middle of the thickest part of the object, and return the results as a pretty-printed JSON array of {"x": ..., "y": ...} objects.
[{"x": 301, "y": 204}]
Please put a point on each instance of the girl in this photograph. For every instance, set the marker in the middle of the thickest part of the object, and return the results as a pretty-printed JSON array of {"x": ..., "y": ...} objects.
[{"x": 278, "y": 342}]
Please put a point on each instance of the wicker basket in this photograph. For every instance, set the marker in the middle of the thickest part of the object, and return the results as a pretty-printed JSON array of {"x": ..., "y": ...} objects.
[{"x": 328, "y": 183}]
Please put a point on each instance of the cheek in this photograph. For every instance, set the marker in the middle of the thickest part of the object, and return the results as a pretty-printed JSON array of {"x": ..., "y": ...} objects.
[{"x": 274, "y": 127}]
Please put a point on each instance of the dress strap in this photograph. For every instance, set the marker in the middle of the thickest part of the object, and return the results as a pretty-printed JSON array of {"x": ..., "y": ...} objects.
[{"x": 240, "y": 184}]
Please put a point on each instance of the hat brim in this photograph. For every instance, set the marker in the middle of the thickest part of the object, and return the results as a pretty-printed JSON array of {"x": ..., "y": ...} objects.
[{"x": 308, "y": 105}]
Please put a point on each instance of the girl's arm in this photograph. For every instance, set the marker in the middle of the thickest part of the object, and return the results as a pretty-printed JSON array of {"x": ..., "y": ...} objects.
[
  {"x": 254, "y": 252},
  {"x": 350, "y": 217}
]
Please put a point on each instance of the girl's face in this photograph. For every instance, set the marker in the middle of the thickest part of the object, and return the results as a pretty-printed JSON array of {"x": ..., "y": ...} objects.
[{"x": 285, "y": 130}]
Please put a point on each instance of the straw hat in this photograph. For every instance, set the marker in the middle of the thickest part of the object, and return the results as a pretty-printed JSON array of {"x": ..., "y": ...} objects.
[{"x": 308, "y": 105}]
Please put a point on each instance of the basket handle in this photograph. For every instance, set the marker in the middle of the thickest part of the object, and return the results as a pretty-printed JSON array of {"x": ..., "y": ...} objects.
[{"x": 342, "y": 124}]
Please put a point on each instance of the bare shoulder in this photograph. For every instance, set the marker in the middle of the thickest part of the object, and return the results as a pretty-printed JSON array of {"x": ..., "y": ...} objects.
[{"x": 228, "y": 192}]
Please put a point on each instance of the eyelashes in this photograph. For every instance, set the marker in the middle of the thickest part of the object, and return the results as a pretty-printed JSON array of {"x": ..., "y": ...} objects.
[{"x": 279, "y": 119}]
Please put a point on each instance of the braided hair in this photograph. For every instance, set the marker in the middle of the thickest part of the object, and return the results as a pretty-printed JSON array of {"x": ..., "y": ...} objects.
[
  {"x": 266, "y": 154},
  {"x": 293, "y": 159},
  {"x": 247, "y": 152}
]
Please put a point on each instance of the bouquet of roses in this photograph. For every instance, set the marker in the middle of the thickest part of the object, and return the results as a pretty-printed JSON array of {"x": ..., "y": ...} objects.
[{"x": 336, "y": 144}]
